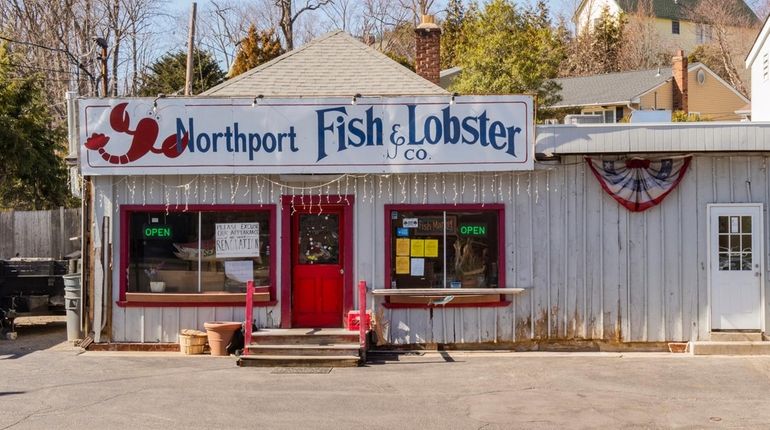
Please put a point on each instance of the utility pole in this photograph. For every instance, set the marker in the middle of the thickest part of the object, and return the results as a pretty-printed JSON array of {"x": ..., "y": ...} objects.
[
  {"x": 103, "y": 57},
  {"x": 190, "y": 45}
]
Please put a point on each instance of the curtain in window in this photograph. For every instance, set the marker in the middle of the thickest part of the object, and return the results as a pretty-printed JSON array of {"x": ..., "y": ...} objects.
[{"x": 639, "y": 184}]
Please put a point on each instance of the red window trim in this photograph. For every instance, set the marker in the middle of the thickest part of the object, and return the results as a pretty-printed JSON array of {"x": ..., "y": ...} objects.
[
  {"x": 490, "y": 207},
  {"x": 125, "y": 214}
]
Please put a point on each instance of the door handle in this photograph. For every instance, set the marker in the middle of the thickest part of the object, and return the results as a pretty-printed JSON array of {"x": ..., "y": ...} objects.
[{"x": 342, "y": 272}]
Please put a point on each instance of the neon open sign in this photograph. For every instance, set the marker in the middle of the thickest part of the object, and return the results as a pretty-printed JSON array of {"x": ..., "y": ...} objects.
[
  {"x": 473, "y": 229},
  {"x": 156, "y": 232}
]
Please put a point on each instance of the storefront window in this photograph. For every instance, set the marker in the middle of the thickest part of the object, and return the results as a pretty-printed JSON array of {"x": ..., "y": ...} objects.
[
  {"x": 198, "y": 252},
  {"x": 444, "y": 248}
]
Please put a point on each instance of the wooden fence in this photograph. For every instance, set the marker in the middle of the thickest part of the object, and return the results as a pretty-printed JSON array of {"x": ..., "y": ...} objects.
[{"x": 40, "y": 234}]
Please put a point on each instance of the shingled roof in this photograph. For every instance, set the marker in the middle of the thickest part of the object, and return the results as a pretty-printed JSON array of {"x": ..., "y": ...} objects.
[
  {"x": 682, "y": 9},
  {"x": 609, "y": 88},
  {"x": 334, "y": 64}
]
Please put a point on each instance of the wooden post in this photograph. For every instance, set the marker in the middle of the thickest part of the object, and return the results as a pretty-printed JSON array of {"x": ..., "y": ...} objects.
[
  {"x": 190, "y": 45},
  {"x": 87, "y": 255},
  {"x": 104, "y": 71}
]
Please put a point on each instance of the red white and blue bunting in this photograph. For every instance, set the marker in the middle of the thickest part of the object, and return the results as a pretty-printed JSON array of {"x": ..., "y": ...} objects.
[{"x": 639, "y": 184}]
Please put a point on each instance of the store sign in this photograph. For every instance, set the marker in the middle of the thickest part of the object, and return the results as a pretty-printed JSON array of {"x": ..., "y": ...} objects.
[
  {"x": 332, "y": 135},
  {"x": 473, "y": 229},
  {"x": 237, "y": 239},
  {"x": 156, "y": 231}
]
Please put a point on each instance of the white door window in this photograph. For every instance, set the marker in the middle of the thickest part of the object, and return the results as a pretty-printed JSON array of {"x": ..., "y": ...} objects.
[{"x": 736, "y": 266}]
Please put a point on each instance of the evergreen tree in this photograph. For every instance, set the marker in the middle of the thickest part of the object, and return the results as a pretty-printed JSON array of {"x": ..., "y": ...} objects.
[
  {"x": 451, "y": 31},
  {"x": 167, "y": 74},
  {"x": 256, "y": 48},
  {"x": 597, "y": 49},
  {"x": 607, "y": 41},
  {"x": 32, "y": 171},
  {"x": 505, "y": 51}
]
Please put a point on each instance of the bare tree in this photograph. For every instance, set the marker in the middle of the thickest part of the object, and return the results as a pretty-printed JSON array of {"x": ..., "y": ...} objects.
[
  {"x": 727, "y": 30},
  {"x": 55, "y": 38},
  {"x": 642, "y": 47},
  {"x": 344, "y": 14},
  {"x": 289, "y": 15}
]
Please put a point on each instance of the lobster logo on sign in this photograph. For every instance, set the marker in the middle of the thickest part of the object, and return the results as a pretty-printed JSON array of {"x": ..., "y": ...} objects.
[{"x": 144, "y": 136}]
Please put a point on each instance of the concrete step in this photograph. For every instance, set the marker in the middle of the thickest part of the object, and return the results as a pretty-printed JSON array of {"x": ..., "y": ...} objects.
[
  {"x": 729, "y": 348},
  {"x": 304, "y": 337},
  {"x": 299, "y": 361},
  {"x": 347, "y": 349},
  {"x": 733, "y": 336}
]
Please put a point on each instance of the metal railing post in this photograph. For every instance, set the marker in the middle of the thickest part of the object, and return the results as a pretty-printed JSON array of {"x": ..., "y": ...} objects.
[
  {"x": 249, "y": 317},
  {"x": 362, "y": 314}
]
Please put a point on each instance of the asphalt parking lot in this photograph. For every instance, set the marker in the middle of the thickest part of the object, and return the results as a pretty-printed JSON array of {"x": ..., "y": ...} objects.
[{"x": 45, "y": 383}]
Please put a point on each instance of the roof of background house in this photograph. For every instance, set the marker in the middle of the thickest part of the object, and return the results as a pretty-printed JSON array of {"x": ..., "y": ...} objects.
[
  {"x": 679, "y": 9},
  {"x": 609, "y": 88},
  {"x": 334, "y": 64},
  {"x": 621, "y": 88}
]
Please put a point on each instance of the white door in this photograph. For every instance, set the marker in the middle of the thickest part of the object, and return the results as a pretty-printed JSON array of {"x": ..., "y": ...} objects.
[{"x": 736, "y": 266}]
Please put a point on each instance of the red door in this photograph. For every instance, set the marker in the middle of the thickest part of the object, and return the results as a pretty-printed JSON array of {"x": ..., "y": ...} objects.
[{"x": 317, "y": 267}]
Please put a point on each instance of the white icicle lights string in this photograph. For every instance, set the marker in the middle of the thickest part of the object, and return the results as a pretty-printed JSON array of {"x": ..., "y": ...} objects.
[{"x": 385, "y": 188}]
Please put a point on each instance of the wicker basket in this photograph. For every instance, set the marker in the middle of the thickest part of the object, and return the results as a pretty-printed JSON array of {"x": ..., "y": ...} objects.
[{"x": 192, "y": 341}]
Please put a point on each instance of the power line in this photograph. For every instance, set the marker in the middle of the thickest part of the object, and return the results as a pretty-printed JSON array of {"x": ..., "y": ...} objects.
[
  {"x": 43, "y": 69},
  {"x": 36, "y": 45}
]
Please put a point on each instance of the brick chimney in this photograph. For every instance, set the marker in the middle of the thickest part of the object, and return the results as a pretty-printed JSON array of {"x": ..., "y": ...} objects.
[
  {"x": 427, "y": 59},
  {"x": 680, "y": 81}
]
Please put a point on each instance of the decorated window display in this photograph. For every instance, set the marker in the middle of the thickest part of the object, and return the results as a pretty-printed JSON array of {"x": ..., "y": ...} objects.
[
  {"x": 198, "y": 252},
  {"x": 452, "y": 248}
]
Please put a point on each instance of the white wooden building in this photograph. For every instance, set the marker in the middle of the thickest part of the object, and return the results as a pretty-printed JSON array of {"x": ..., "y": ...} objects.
[
  {"x": 590, "y": 268},
  {"x": 758, "y": 61}
]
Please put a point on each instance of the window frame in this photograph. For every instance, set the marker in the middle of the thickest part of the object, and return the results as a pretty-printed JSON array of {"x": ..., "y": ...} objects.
[
  {"x": 487, "y": 207},
  {"x": 676, "y": 26},
  {"x": 238, "y": 298}
]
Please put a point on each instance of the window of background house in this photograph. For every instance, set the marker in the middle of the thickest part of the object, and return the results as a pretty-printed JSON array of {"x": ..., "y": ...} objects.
[
  {"x": 674, "y": 27},
  {"x": 198, "y": 252},
  {"x": 703, "y": 33},
  {"x": 451, "y": 248}
]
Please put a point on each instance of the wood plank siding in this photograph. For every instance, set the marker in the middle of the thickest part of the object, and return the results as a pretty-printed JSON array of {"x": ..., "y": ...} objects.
[
  {"x": 592, "y": 269},
  {"x": 39, "y": 234}
]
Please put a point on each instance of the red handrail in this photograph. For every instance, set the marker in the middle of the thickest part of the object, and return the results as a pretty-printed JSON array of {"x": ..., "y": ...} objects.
[
  {"x": 249, "y": 317},
  {"x": 362, "y": 317}
]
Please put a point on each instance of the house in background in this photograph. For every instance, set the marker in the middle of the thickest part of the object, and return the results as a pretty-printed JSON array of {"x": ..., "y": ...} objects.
[
  {"x": 673, "y": 21},
  {"x": 615, "y": 96},
  {"x": 758, "y": 61}
]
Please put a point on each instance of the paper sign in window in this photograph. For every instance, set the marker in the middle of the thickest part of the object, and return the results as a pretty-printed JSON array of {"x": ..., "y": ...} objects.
[
  {"x": 418, "y": 267},
  {"x": 240, "y": 270},
  {"x": 237, "y": 239},
  {"x": 402, "y": 247},
  {"x": 418, "y": 248},
  {"x": 431, "y": 248},
  {"x": 402, "y": 265}
]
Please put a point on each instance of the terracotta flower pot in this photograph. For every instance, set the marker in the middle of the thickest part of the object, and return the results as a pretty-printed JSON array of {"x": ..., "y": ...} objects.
[{"x": 219, "y": 334}]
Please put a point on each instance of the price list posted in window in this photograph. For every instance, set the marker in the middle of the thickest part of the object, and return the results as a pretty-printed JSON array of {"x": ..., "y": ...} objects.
[{"x": 418, "y": 248}]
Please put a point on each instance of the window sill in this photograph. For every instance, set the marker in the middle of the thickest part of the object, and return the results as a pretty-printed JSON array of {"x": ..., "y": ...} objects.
[
  {"x": 424, "y": 302},
  {"x": 193, "y": 300}
]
